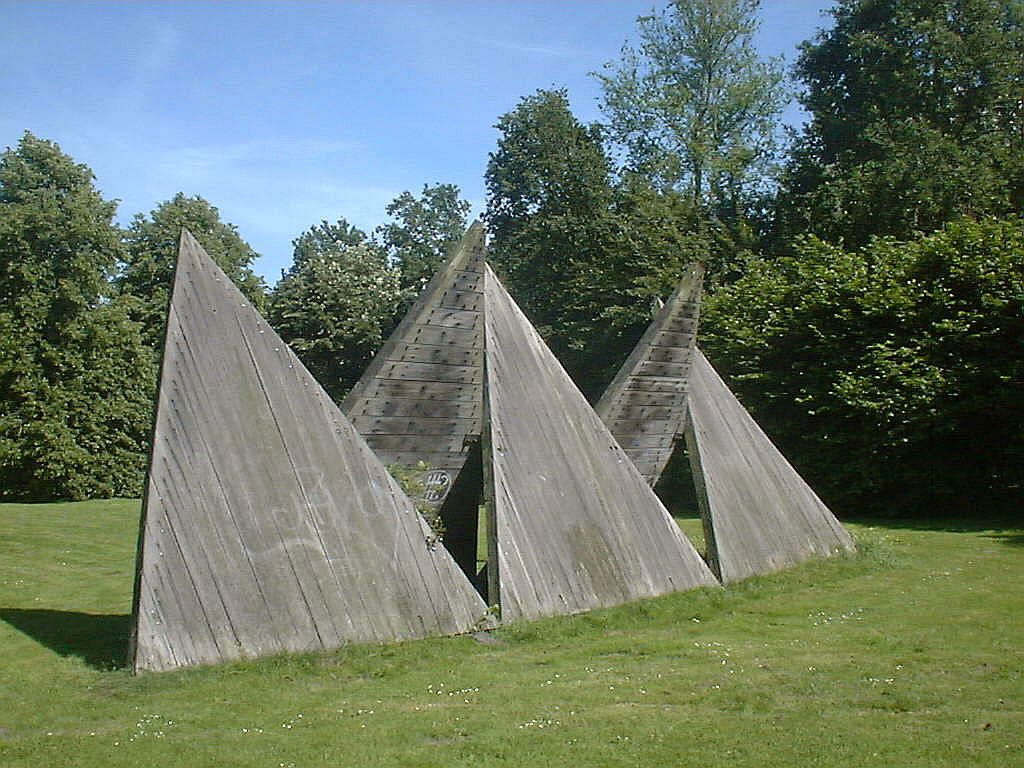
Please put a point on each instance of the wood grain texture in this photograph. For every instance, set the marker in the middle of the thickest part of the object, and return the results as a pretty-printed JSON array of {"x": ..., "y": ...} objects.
[
  {"x": 420, "y": 399},
  {"x": 760, "y": 515},
  {"x": 268, "y": 523},
  {"x": 645, "y": 405},
  {"x": 574, "y": 524}
]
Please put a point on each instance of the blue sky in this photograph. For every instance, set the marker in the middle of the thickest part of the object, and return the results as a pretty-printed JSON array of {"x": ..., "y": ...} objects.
[{"x": 284, "y": 114}]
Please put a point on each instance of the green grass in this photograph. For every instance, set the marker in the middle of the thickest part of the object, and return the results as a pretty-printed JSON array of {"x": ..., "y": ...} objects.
[{"x": 907, "y": 654}]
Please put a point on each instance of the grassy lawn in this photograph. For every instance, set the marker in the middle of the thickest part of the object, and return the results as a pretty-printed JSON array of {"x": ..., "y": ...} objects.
[{"x": 910, "y": 653}]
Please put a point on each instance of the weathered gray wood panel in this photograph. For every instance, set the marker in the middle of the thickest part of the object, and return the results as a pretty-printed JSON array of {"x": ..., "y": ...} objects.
[
  {"x": 645, "y": 405},
  {"x": 421, "y": 396},
  {"x": 268, "y": 523},
  {"x": 760, "y": 515},
  {"x": 574, "y": 524}
]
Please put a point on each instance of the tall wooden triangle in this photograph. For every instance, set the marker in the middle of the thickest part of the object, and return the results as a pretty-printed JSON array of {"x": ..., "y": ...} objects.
[
  {"x": 573, "y": 524},
  {"x": 759, "y": 514},
  {"x": 268, "y": 523},
  {"x": 645, "y": 405},
  {"x": 420, "y": 399}
]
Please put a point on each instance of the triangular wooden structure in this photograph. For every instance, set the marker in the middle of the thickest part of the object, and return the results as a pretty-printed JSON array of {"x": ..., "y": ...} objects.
[
  {"x": 268, "y": 523},
  {"x": 645, "y": 405},
  {"x": 573, "y": 524},
  {"x": 760, "y": 515},
  {"x": 420, "y": 400}
]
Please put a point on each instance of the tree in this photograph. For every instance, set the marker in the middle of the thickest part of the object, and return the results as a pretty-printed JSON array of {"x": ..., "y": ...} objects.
[
  {"x": 890, "y": 373},
  {"x": 152, "y": 248},
  {"x": 917, "y": 118},
  {"x": 75, "y": 377},
  {"x": 424, "y": 229},
  {"x": 584, "y": 256},
  {"x": 695, "y": 107},
  {"x": 549, "y": 213},
  {"x": 336, "y": 303}
]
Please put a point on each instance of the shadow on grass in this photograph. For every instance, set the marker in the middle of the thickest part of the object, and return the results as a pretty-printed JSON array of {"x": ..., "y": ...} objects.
[
  {"x": 1007, "y": 527},
  {"x": 100, "y": 640},
  {"x": 1010, "y": 539}
]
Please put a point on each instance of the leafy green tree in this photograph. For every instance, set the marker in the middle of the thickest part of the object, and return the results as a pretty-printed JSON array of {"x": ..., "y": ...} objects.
[
  {"x": 422, "y": 232},
  {"x": 554, "y": 235},
  {"x": 151, "y": 253},
  {"x": 336, "y": 304},
  {"x": 584, "y": 256},
  {"x": 917, "y": 118},
  {"x": 75, "y": 377},
  {"x": 890, "y": 373},
  {"x": 324, "y": 238},
  {"x": 694, "y": 105}
]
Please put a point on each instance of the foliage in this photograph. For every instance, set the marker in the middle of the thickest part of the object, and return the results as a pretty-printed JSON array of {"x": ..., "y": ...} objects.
[
  {"x": 421, "y": 233},
  {"x": 584, "y": 257},
  {"x": 74, "y": 374},
  {"x": 152, "y": 250},
  {"x": 857, "y": 646},
  {"x": 549, "y": 215},
  {"x": 892, "y": 373},
  {"x": 694, "y": 105},
  {"x": 336, "y": 303},
  {"x": 917, "y": 118},
  {"x": 411, "y": 481}
]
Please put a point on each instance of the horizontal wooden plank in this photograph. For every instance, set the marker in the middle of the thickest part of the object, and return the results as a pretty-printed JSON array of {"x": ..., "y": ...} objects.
[
  {"x": 391, "y": 389},
  {"x": 464, "y": 280},
  {"x": 414, "y": 444},
  {"x": 452, "y": 409},
  {"x": 462, "y": 300},
  {"x": 431, "y": 372},
  {"x": 669, "y": 355},
  {"x": 443, "y": 317},
  {"x": 649, "y": 369},
  {"x": 414, "y": 425},
  {"x": 434, "y": 334},
  {"x": 673, "y": 339},
  {"x": 629, "y": 411},
  {"x": 405, "y": 352}
]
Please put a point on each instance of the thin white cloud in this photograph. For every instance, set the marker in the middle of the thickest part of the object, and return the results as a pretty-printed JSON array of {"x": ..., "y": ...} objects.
[{"x": 156, "y": 56}]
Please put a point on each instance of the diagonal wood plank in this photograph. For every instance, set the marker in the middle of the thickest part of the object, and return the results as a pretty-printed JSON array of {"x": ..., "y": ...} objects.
[
  {"x": 574, "y": 526},
  {"x": 268, "y": 523}
]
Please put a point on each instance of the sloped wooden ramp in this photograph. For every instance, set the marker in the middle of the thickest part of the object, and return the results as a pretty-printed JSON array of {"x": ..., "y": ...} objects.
[
  {"x": 268, "y": 523},
  {"x": 645, "y": 405},
  {"x": 759, "y": 514},
  {"x": 573, "y": 524},
  {"x": 421, "y": 397}
]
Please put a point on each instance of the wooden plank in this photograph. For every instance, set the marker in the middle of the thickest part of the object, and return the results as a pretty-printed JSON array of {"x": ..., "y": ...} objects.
[
  {"x": 394, "y": 389},
  {"x": 645, "y": 405},
  {"x": 427, "y": 379},
  {"x": 760, "y": 515},
  {"x": 268, "y": 523},
  {"x": 575, "y": 524},
  {"x": 451, "y": 409},
  {"x": 443, "y": 426},
  {"x": 438, "y": 354}
]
